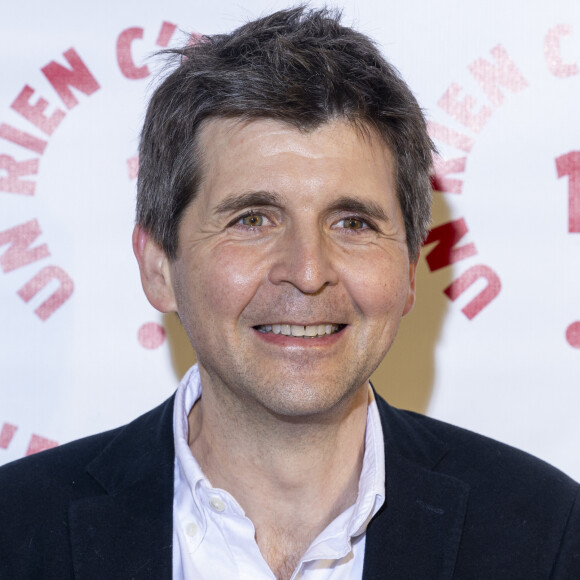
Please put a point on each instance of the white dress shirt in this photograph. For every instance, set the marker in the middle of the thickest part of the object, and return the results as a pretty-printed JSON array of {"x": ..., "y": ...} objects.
[{"x": 213, "y": 538}]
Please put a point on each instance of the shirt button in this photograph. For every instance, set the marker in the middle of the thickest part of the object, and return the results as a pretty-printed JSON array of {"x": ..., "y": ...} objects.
[
  {"x": 191, "y": 529},
  {"x": 217, "y": 504}
]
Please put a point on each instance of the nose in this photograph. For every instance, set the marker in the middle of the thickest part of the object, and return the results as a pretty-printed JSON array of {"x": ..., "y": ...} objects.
[{"x": 304, "y": 260}]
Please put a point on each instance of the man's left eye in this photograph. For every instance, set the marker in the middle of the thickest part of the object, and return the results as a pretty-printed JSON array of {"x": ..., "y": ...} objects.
[{"x": 353, "y": 223}]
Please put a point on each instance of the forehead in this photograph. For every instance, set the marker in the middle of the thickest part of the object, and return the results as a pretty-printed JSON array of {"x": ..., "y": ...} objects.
[{"x": 335, "y": 158}]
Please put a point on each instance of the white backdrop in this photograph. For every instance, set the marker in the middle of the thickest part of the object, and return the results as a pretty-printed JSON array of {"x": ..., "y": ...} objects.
[{"x": 494, "y": 341}]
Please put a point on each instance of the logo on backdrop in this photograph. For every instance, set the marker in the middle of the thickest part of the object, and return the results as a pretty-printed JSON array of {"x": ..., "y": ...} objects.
[
  {"x": 496, "y": 76},
  {"x": 17, "y": 174},
  {"x": 21, "y": 245}
]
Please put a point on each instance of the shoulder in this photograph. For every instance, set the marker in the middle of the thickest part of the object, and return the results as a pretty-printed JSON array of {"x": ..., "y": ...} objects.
[
  {"x": 63, "y": 470},
  {"x": 37, "y": 492},
  {"x": 518, "y": 508},
  {"x": 34, "y": 503},
  {"x": 53, "y": 471},
  {"x": 476, "y": 458},
  {"x": 462, "y": 453}
]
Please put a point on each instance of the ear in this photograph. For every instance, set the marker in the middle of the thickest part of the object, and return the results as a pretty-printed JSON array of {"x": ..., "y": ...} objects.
[
  {"x": 155, "y": 271},
  {"x": 411, "y": 297}
]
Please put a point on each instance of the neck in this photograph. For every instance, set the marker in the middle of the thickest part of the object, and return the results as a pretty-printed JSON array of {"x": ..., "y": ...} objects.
[{"x": 286, "y": 473}]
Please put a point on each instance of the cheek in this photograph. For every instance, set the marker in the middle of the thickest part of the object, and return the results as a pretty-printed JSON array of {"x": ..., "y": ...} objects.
[
  {"x": 227, "y": 278},
  {"x": 379, "y": 292}
]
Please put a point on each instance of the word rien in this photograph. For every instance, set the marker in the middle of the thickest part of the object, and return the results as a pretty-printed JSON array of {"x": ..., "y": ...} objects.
[
  {"x": 15, "y": 173},
  {"x": 491, "y": 76}
]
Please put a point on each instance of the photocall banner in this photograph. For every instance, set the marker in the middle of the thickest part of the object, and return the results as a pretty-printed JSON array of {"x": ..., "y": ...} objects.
[{"x": 493, "y": 343}]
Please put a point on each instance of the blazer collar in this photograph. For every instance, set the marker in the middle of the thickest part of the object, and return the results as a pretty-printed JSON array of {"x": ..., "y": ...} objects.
[
  {"x": 416, "y": 533},
  {"x": 127, "y": 532}
]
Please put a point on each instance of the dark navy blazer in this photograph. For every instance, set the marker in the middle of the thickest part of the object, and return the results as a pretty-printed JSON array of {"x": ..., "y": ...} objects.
[{"x": 458, "y": 505}]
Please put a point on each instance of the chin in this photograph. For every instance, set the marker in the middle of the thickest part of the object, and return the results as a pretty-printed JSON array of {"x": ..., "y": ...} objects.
[{"x": 308, "y": 401}]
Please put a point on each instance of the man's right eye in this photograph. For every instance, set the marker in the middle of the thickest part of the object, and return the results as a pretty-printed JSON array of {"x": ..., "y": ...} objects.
[{"x": 251, "y": 220}]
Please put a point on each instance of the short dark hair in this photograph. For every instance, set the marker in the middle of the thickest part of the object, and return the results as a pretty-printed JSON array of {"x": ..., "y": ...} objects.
[{"x": 300, "y": 66}]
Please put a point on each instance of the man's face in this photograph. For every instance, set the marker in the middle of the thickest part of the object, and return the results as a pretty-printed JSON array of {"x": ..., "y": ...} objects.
[{"x": 292, "y": 273}]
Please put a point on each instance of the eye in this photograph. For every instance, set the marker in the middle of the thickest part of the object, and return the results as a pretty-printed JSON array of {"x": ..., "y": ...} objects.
[
  {"x": 353, "y": 223},
  {"x": 252, "y": 220}
]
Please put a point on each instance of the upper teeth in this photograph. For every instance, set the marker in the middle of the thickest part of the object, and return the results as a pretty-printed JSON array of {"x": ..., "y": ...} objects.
[{"x": 299, "y": 330}]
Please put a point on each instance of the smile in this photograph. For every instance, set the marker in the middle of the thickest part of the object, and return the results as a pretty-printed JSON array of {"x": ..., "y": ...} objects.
[{"x": 311, "y": 331}]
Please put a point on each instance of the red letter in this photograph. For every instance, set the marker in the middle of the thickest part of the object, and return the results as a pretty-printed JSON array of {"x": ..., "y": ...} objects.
[
  {"x": 553, "y": 54},
  {"x": 444, "y": 253},
  {"x": 504, "y": 73},
  {"x": 459, "y": 286},
  {"x": 463, "y": 110},
  {"x": 38, "y": 443},
  {"x": 451, "y": 137},
  {"x": 78, "y": 76},
  {"x": 133, "y": 165},
  {"x": 23, "y": 139},
  {"x": 573, "y": 334},
  {"x": 165, "y": 34},
  {"x": 19, "y": 252},
  {"x": 14, "y": 170},
  {"x": 124, "y": 57},
  {"x": 443, "y": 167},
  {"x": 57, "y": 299},
  {"x": 7, "y": 434},
  {"x": 569, "y": 164},
  {"x": 35, "y": 113}
]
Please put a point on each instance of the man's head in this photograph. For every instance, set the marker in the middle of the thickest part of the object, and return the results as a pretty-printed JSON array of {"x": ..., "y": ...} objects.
[
  {"x": 298, "y": 66},
  {"x": 283, "y": 197}
]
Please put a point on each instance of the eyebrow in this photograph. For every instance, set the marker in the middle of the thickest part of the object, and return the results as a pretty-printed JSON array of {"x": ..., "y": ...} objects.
[
  {"x": 237, "y": 202},
  {"x": 359, "y": 206}
]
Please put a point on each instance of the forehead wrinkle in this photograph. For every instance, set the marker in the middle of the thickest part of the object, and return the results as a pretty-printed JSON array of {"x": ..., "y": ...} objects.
[{"x": 238, "y": 201}]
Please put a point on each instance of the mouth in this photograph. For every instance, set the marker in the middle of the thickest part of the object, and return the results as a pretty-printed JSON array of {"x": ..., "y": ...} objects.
[{"x": 297, "y": 330}]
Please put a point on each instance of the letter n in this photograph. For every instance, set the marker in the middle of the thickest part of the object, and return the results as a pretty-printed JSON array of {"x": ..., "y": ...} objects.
[
  {"x": 79, "y": 77},
  {"x": 57, "y": 299},
  {"x": 503, "y": 72},
  {"x": 19, "y": 253},
  {"x": 445, "y": 252},
  {"x": 467, "y": 279}
]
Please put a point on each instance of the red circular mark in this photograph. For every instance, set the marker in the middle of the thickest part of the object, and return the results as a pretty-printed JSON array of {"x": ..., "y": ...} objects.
[
  {"x": 151, "y": 335},
  {"x": 573, "y": 334}
]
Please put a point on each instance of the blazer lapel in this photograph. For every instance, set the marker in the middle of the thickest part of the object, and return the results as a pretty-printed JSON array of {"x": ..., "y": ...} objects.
[
  {"x": 126, "y": 532},
  {"x": 416, "y": 533}
]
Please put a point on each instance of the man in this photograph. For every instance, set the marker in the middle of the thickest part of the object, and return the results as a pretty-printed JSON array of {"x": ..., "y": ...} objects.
[{"x": 283, "y": 197}]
